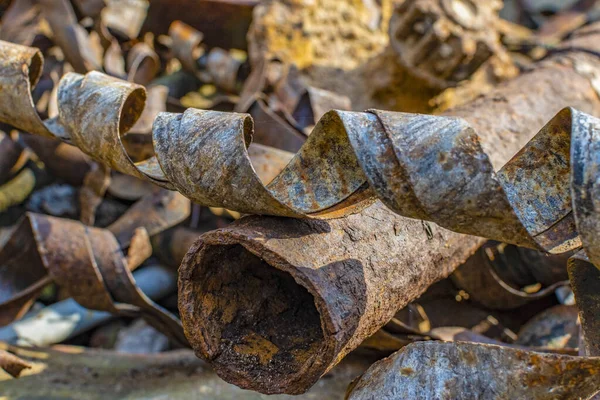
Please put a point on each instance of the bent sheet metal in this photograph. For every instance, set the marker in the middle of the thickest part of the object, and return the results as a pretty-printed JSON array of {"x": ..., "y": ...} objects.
[{"x": 425, "y": 167}]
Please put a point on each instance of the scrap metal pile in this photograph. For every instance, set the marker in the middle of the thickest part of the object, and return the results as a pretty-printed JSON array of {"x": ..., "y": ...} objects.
[{"x": 202, "y": 174}]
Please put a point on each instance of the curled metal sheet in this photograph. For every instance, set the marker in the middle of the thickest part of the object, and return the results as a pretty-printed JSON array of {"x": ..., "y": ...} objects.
[
  {"x": 89, "y": 262},
  {"x": 425, "y": 167},
  {"x": 493, "y": 373},
  {"x": 314, "y": 306}
]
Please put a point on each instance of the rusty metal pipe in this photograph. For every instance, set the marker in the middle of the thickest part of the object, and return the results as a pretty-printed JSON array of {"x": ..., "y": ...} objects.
[{"x": 273, "y": 303}]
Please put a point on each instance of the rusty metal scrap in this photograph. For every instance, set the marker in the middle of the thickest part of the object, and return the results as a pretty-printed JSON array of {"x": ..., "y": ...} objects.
[
  {"x": 361, "y": 48},
  {"x": 60, "y": 159},
  {"x": 88, "y": 262},
  {"x": 445, "y": 42},
  {"x": 12, "y": 364},
  {"x": 493, "y": 373},
  {"x": 212, "y": 16},
  {"x": 320, "y": 304},
  {"x": 555, "y": 327},
  {"x": 506, "y": 277},
  {"x": 17, "y": 189},
  {"x": 376, "y": 147},
  {"x": 215, "y": 65},
  {"x": 361, "y": 269},
  {"x": 585, "y": 279},
  {"x": 95, "y": 374}
]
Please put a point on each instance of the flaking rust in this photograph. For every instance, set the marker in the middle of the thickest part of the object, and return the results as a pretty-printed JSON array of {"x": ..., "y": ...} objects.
[
  {"x": 438, "y": 370},
  {"x": 315, "y": 306}
]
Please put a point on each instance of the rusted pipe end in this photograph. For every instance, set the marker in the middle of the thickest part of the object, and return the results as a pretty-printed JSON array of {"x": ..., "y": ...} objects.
[{"x": 256, "y": 319}]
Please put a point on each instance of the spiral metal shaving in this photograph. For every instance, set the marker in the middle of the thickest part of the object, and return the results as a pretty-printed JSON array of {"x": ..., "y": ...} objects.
[{"x": 425, "y": 167}]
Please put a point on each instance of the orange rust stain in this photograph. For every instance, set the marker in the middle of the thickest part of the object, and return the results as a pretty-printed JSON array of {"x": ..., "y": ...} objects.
[{"x": 256, "y": 345}]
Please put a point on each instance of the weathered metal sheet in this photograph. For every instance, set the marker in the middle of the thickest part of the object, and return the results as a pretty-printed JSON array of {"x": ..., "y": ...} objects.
[
  {"x": 72, "y": 38},
  {"x": 434, "y": 370},
  {"x": 273, "y": 303}
]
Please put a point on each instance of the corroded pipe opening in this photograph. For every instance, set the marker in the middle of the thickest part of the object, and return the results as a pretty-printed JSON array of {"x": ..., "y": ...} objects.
[{"x": 256, "y": 325}]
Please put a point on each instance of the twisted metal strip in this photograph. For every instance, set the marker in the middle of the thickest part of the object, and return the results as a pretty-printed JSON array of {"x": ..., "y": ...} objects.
[{"x": 425, "y": 167}]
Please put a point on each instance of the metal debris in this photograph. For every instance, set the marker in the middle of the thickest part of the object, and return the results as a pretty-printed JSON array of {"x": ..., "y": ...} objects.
[
  {"x": 585, "y": 279},
  {"x": 445, "y": 42},
  {"x": 212, "y": 16},
  {"x": 58, "y": 200},
  {"x": 501, "y": 276},
  {"x": 88, "y": 262},
  {"x": 369, "y": 259},
  {"x": 367, "y": 150},
  {"x": 10, "y": 151},
  {"x": 67, "y": 318},
  {"x": 555, "y": 327},
  {"x": 360, "y": 48},
  {"x": 141, "y": 338},
  {"x": 12, "y": 364},
  {"x": 77, "y": 373},
  {"x": 216, "y": 65},
  {"x": 313, "y": 307},
  {"x": 298, "y": 329},
  {"x": 17, "y": 189},
  {"x": 494, "y": 373}
]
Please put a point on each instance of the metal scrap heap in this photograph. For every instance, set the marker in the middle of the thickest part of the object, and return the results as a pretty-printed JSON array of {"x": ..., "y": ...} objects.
[{"x": 461, "y": 241}]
